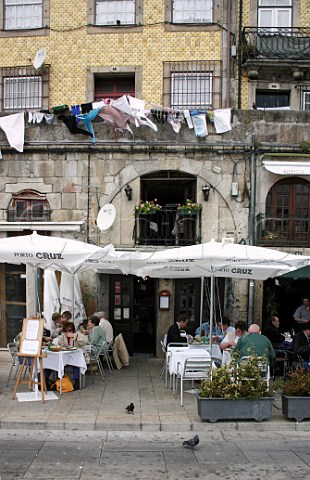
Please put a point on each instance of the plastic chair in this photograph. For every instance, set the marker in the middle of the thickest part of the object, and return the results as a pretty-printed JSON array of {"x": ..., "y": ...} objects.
[
  {"x": 195, "y": 368},
  {"x": 95, "y": 358},
  {"x": 263, "y": 366},
  {"x": 13, "y": 351},
  {"x": 163, "y": 344},
  {"x": 106, "y": 354}
]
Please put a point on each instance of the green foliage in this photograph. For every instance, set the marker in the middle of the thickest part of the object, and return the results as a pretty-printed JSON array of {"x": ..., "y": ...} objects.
[
  {"x": 298, "y": 384},
  {"x": 190, "y": 206},
  {"x": 244, "y": 380},
  {"x": 304, "y": 146},
  {"x": 148, "y": 206}
]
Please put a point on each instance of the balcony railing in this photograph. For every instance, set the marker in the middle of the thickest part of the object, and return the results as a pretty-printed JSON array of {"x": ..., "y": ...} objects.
[
  {"x": 288, "y": 231},
  {"x": 29, "y": 216},
  {"x": 167, "y": 227},
  {"x": 288, "y": 43}
]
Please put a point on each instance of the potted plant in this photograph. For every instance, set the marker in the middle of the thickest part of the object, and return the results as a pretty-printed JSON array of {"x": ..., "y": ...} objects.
[
  {"x": 236, "y": 391},
  {"x": 148, "y": 207},
  {"x": 189, "y": 208},
  {"x": 296, "y": 395}
]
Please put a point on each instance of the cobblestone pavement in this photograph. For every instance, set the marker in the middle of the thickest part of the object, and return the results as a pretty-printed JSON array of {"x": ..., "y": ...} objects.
[{"x": 230, "y": 455}]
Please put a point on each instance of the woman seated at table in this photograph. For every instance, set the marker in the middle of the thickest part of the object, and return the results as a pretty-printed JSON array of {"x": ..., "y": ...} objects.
[
  {"x": 71, "y": 338},
  {"x": 96, "y": 334}
]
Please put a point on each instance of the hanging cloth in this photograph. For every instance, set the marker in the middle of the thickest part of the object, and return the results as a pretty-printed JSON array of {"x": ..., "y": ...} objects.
[
  {"x": 222, "y": 120},
  {"x": 200, "y": 125},
  {"x": 87, "y": 118},
  {"x": 14, "y": 129},
  {"x": 70, "y": 122}
]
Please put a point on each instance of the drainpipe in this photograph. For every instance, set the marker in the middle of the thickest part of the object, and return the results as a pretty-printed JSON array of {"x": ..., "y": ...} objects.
[
  {"x": 228, "y": 33},
  {"x": 252, "y": 224},
  {"x": 240, "y": 53},
  {"x": 88, "y": 198}
]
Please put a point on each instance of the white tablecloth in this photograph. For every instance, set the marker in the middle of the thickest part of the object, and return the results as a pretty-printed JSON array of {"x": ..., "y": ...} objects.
[
  {"x": 179, "y": 355},
  {"x": 216, "y": 351},
  {"x": 58, "y": 360},
  {"x": 226, "y": 357}
]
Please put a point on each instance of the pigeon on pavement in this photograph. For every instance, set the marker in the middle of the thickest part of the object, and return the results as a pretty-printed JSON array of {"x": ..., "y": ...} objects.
[
  {"x": 130, "y": 408},
  {"x": 192, "y": 442}
]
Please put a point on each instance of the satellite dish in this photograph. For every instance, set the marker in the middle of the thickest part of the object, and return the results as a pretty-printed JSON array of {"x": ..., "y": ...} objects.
[
  {"x": 106, "y": 216},
  {"x": 39, "y": 58}
]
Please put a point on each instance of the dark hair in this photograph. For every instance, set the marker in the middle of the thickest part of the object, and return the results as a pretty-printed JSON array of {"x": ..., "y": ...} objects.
[
  {"x": 306, "y": 326},
  {"x": 67, "y": 326},
  {"x": 67, "y": 314},
  {"x": 241, "y": 325},
  {"x": 55, "y": 316},
  {"x": 93, "y": 319},
  {"x": 225, "y": 321},
  {"x": 182, "y": 318}
]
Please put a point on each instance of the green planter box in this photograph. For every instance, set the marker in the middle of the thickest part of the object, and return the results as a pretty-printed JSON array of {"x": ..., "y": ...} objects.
[
  {"x": 213, "y": 409},
  {"x": 188, "y": 213},
  {"x": 296, "y": 407}
]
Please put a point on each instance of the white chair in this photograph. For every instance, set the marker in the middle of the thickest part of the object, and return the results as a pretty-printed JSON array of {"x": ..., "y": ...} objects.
[
  {"x": 263, "y": 366},
  {"x": 95, "y": 358},
  {"x": 13, "y": 351},
  {"x": 163, "y": 344},
  {"x": 107, "y": 350},
  {"x": 194, "y": 369}
]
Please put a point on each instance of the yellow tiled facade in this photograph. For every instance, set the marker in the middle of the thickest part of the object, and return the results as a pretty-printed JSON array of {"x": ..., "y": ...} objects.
[{"x": 71, "y": 49}]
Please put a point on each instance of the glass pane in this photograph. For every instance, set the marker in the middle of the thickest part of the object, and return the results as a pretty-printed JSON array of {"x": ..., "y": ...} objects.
[{"x": 15, "y": 288}]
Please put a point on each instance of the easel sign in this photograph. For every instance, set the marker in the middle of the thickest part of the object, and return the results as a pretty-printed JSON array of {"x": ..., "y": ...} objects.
[{"x": 31, "y": 337}]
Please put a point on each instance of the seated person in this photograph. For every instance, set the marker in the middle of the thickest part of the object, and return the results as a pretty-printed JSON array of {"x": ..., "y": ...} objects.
[
  {"x": 271, "y": 331},
  {"x": 174, "y": 334},
  {"x": 231, "y": 338},
  {"x": 301, "y": 345},
  {"x": 96, "y": 334},
  {"x": 216, "y": 330},
  {"x": 71, "y": 338},
  {"x": 225, "y": 327},
  {"x": 105, "y": 325},
  {"x": 255, "y": 343}
]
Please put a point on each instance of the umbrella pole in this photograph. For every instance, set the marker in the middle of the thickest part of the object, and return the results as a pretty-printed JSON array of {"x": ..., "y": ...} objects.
[
  {"x": 201, "y": 302},
  {"x": 211, "y": 311}
]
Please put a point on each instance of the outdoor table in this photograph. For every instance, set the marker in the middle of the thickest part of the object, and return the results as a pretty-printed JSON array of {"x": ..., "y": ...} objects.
[
  {"x": 179, "y": 355},
  {"x": 216, "y": 351},
  {"x": 226, "y": 359},
  {"x": 58, "y": 360}
]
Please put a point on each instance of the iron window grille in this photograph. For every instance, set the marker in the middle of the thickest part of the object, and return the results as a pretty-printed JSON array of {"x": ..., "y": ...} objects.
[
  {"x": 192, "y": 85},
  {"x": 24, "y": 88}
]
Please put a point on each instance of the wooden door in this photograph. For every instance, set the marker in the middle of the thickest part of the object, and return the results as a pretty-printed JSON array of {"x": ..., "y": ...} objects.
[{"x": 121, "y": 308}]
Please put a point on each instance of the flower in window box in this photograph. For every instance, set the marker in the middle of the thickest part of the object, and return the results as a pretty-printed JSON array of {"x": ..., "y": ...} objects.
[
  {"x": 189, "y": 208},
  {"x": 148, "y": 207}
]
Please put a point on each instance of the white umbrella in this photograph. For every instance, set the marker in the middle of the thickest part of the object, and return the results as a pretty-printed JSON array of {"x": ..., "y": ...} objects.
[
  {"x": 71, "y": 297},
  {"x": 51, "y": 301},
  {"x": 56, "y": 253},
  {"x": 214, "y": 260}
]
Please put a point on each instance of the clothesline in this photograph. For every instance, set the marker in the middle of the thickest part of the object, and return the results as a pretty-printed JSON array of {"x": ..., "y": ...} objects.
[{"x": 119, "y": 114}]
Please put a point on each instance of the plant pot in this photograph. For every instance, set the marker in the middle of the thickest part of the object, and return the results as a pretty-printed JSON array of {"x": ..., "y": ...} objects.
[
  {"x": 188, "y": 213},
  {"x": 296, "y": 407},
  {"x": 213, "y": 409}
]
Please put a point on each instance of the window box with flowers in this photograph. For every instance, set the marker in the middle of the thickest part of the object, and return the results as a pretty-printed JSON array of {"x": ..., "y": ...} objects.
[
  {"x": 189, "y": 208},
  {"x": 149, "y": 207}
]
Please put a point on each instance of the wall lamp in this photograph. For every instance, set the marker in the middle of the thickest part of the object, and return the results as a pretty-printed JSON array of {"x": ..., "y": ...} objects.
[
  {"x": 206, "y": 193},
  {"x": 128, "y": 191}
]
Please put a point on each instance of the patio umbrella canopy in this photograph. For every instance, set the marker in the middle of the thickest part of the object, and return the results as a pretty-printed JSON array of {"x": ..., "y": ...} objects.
[
  {"x": 56, "y": 253},
  {"x": 51, "y": 301},
  {"x": 298, "y": 274},
  {"x": 71, "y": 297}
]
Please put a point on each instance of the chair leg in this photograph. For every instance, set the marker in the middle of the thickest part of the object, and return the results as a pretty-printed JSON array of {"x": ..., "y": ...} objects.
[
  {"x": 108, "y": 360},
  {"x": 162, "y": 370},
  {"x": 100, "y": 369}
]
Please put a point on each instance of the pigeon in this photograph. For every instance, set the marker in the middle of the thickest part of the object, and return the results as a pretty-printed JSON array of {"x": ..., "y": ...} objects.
[
  {"x": 130, "y": 408},
  {"x": 192, "y": 442}
]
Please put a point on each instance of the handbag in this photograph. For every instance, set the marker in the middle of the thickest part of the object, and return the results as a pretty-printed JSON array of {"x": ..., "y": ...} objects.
[{"x": 66, "y": 385}]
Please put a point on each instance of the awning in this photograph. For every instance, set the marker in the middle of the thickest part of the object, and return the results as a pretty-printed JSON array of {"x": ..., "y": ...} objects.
[{"x": 287, "y": 168}]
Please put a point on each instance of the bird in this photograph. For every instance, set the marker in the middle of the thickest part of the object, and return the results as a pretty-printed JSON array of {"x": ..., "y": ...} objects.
[
  {"x": 192, "y": 442},
  {"x": 130, "y": 408}
]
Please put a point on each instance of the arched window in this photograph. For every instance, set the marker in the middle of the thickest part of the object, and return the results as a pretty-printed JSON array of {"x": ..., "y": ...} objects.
[
  {"x": 287, "y": 212},
  {"x": 29, "y": 206}
]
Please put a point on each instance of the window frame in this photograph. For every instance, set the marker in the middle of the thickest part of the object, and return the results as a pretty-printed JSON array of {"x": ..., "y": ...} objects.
[
  {"x": 187, "y": 21},
  {"x": 275, "y": 10},
  {"x": 27, "y": 202},
  {"x": 93, "y": 27},
  {"x": 305, "y": 93},
  {"x": 206, "y": 68},
  {"x": 187, "y": 82},
  {"x": 23, "y": 73},
  {"x": 35, "y": 31}
]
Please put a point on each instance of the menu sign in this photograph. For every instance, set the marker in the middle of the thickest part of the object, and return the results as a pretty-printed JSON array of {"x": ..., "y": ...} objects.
[{"x": 31, "y": 338}]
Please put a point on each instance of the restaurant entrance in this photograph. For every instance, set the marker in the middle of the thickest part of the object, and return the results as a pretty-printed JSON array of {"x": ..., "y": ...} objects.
[{"x": 132, "y": 312}]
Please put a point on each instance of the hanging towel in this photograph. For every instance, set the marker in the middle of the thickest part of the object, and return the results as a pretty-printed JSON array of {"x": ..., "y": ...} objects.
[
  {"x": 222, "y": 120},
  {"x": 87, "y": 118},
  {"x": 70, "y": 122},
  {"x": 188, "y": 119},
  {"x": 200, "y": 125},
  {"x": 116, "y": 118},
  {"x": 14, "y": 129}
]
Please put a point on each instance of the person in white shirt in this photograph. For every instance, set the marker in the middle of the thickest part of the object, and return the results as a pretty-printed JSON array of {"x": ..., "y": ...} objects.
[
  {"x": 105, "y": 325},
  {"x": 232, "y": 337}
]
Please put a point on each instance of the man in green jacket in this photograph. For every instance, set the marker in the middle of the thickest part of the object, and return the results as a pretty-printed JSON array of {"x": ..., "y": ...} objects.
[{"x": 255, "y": 343}]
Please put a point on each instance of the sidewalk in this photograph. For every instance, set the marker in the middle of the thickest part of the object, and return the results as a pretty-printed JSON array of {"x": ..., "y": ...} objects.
[{"x": 101, "y": 406}]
